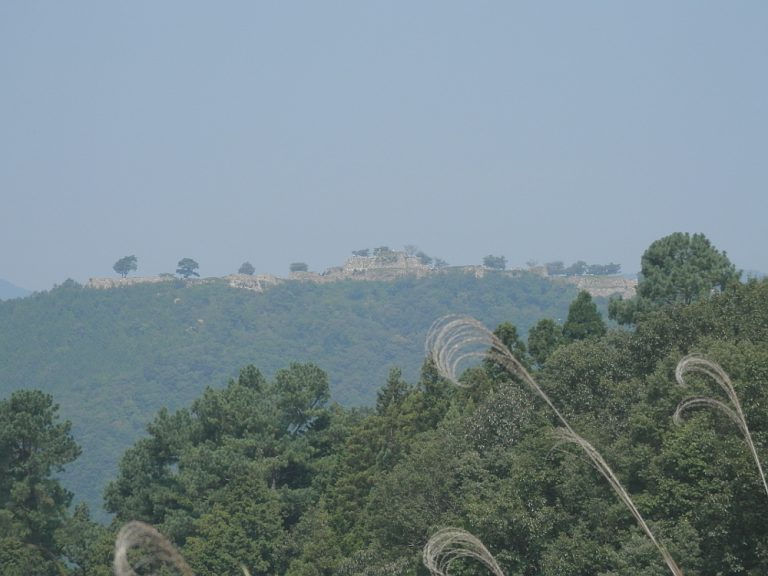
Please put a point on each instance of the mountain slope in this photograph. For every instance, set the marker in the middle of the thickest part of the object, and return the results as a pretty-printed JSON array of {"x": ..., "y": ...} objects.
[
  {"x": 112, "y": 358},
  {"x": 8, "y": 291}
]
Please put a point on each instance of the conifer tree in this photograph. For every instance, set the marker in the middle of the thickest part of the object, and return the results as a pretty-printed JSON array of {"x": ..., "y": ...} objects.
[{"x": 584, "y": 321}]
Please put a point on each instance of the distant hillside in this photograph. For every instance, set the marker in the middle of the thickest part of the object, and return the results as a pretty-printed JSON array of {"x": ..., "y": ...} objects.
[
  {"x": 113, "y": 357},
  {"x": 8, "y": 291}
]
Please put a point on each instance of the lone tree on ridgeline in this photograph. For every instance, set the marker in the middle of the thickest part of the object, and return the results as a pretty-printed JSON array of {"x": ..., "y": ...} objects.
[
  {"x": 187, "y": 267},
  {"x": 495, "y": 262},
  {"x": 682, "y": 268},
  {"x": 677, "y": 269},
  {"x": 246, "y": 268},
  {"x": 126, "y": 265}
]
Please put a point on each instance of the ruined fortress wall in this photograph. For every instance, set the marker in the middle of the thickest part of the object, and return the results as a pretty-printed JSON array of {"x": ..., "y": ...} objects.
[
  {"x": 103, "y": 283},
  {"x": 605, "y": 285},
  {"x": 396, "y": 266},
  {"x": 257, "y": 283}
]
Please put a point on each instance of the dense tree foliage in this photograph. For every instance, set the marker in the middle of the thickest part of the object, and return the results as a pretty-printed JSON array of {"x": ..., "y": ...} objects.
[
  {"x": 677, "y": 269},
  {"x": 33, "y": 446},
  {"x": 603, "y": 269},
  {"x": 113, "y": 358},
  {"x": 683, "y": 268},
  {"x": 37, "y": 535},
  {"x": 267, "y": 474},
  {"x": 231, "y": 476},
  {"x": 233, "y": 480},
  {"x": 578, "y": 268},
  {"x": 543, "y": 339},
  {"x": 432, "y": 455},
  {"x": 495, "y": 262},
  {"x": 584, "y": 320}
]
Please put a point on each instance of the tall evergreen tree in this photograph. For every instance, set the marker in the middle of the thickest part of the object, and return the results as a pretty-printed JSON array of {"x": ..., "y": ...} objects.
[
  {"x": 681, "y": 268},
  {"x": 584, "y": 320},
  {"x": 677, "y": 269},
  {"x": 34, "y": 446}
]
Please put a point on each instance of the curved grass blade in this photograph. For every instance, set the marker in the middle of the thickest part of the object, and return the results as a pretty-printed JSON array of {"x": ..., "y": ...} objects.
[
  {"x": 454, "y": 339},
  {"x": 153, "y": 546},
  {"x": 700, "y": 364},
  {"x": 565, "y": 435},
  {"x": 450, "y": 544}
]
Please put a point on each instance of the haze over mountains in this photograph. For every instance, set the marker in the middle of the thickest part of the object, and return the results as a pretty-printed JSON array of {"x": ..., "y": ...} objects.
[{"x": 8, "y": 290}]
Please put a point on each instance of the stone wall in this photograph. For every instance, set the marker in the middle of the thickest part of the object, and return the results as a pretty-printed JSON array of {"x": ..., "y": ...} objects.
[
  {"x": 393, "y": 265},
  {"x": 257, "y": 283},
  {"x": 605, "y": 285},
  {"x": 373, "y": 268},
  {"x": 103, "y": 283}
]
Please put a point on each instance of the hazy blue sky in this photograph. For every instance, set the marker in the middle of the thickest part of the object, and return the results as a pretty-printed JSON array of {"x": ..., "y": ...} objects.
[{"x": 298, "y": 131}]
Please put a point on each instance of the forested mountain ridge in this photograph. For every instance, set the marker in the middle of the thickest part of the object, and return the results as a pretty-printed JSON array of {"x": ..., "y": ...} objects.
[
  {"x": 362, "y": 493},
  {"x": 112, "y": 358},
  {"x": 265, "y": 475}
]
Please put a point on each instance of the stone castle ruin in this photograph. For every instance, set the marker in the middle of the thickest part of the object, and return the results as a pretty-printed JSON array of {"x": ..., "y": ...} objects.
[{"x": 383, "y": 265}]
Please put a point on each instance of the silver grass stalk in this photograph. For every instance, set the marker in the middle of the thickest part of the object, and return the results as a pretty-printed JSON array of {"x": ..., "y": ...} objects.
[
  {"x": 565, "y": 435},
  {"x": 702, "y": 365},
  {"x": 450, "y": 544},
  {"x": 454, "y": 339},
  {"x": 155, "y": 547}
]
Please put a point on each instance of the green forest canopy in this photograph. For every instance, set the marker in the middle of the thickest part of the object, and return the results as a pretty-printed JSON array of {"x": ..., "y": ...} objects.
[
  {"x": 267, "y": 473},
  {"x": 112, "y": 358}
]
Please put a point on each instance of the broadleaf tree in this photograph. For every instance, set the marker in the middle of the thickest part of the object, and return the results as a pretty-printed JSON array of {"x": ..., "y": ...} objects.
[
  {"x": 495, "y": 262},
  {"x": 126, "y": 265},
  {"x": 543, "y": 339},
  {"x": 187, "y": 267}
]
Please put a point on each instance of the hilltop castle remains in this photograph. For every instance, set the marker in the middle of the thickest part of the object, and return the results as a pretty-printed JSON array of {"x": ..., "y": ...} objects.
[{"x": 384, "y": 265}]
